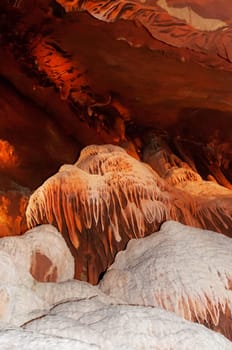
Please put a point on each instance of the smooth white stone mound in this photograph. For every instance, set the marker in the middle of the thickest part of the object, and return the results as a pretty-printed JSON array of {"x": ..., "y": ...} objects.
[
  {"x": 125, "y": 327},
  {"x": 46, "y": 241},
  {"x": 181, "y": 269}
]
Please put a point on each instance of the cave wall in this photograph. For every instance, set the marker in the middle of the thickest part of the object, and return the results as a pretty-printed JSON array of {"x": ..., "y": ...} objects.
[{"x": 83, "y": 72}]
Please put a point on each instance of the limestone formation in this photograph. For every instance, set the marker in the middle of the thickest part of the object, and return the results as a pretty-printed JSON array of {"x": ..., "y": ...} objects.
[
  {"x": 102, "y": 201},
  {"x": 112, "y": 326},
  {"x": 107, "y": 197},
  {"x": 74, "y": 73},
  {"x": 158, "y": 154},
  {"x": 42, "y": 252},
  {"x": 212, "y": 199},
  {"x": 132, "y": 66},
  {"x": 181, "y": 269},
  {"x": 74, "y": 314}
]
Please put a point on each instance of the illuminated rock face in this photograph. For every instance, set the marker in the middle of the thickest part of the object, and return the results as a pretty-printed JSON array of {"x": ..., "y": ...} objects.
[
  {"x": 191, "y": 25},
  {"x": 181, "y": 269},
  {"x": 108, "y": 197},
  {"x": 66, "y": 74},
  {"x": 12, "y": 210},
  {"x": 102, "y": 201},
  {"x": 8, "y": 158}
]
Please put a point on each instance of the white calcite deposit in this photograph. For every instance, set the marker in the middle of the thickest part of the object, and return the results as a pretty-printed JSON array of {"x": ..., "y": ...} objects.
[
  {"x": 76, "y": 315},
  {"x": 94, "y": 324},
  {"x": 41, "y": 251},
  {"x": 100, "y": 323},
  {"x": 24, "y": 340},
  {"x": 181, "y": 269}
]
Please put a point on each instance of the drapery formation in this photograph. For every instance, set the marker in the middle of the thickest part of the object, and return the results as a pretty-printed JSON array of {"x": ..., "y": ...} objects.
[{"x": 107, "y": 197}]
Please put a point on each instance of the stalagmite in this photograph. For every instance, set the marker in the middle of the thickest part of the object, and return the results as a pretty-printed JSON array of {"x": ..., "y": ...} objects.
[{"x": 107, "y": 197}]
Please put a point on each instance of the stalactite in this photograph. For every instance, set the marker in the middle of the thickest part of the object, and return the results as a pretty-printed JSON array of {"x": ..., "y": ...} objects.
[
  {"x": 107, "y": 193},
  {"x": 113, "y": 197}
]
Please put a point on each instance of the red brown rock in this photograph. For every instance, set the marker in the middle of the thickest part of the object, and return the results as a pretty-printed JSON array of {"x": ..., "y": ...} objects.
[{"x": 42, "y": 268}]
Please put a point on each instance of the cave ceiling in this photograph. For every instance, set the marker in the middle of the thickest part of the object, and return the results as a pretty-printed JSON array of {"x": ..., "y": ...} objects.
[{"x": 75, "y": 73}]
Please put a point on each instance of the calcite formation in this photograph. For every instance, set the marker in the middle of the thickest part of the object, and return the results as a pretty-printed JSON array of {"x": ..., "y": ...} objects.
[
  {"x": 96, "y": 323},
  {"x": 158, "y": 154},
  {"x": 21, "y": 259},
  {"x": 113, "y": 326},
  {"x": 181, "y": 269},
  {"x": 101, "y": 201},
  {"x": 107, "y": 197},
  {"x": 42, "y": 252},
  {"x": 105, "y": 72},
  {"x": 71, "y": 313},
  {"x": 74, "y": 73},
  {"x": 213, "y": 201},
  {"x": 36, "y": 272},
  {"x": 74, "y": 314}
]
